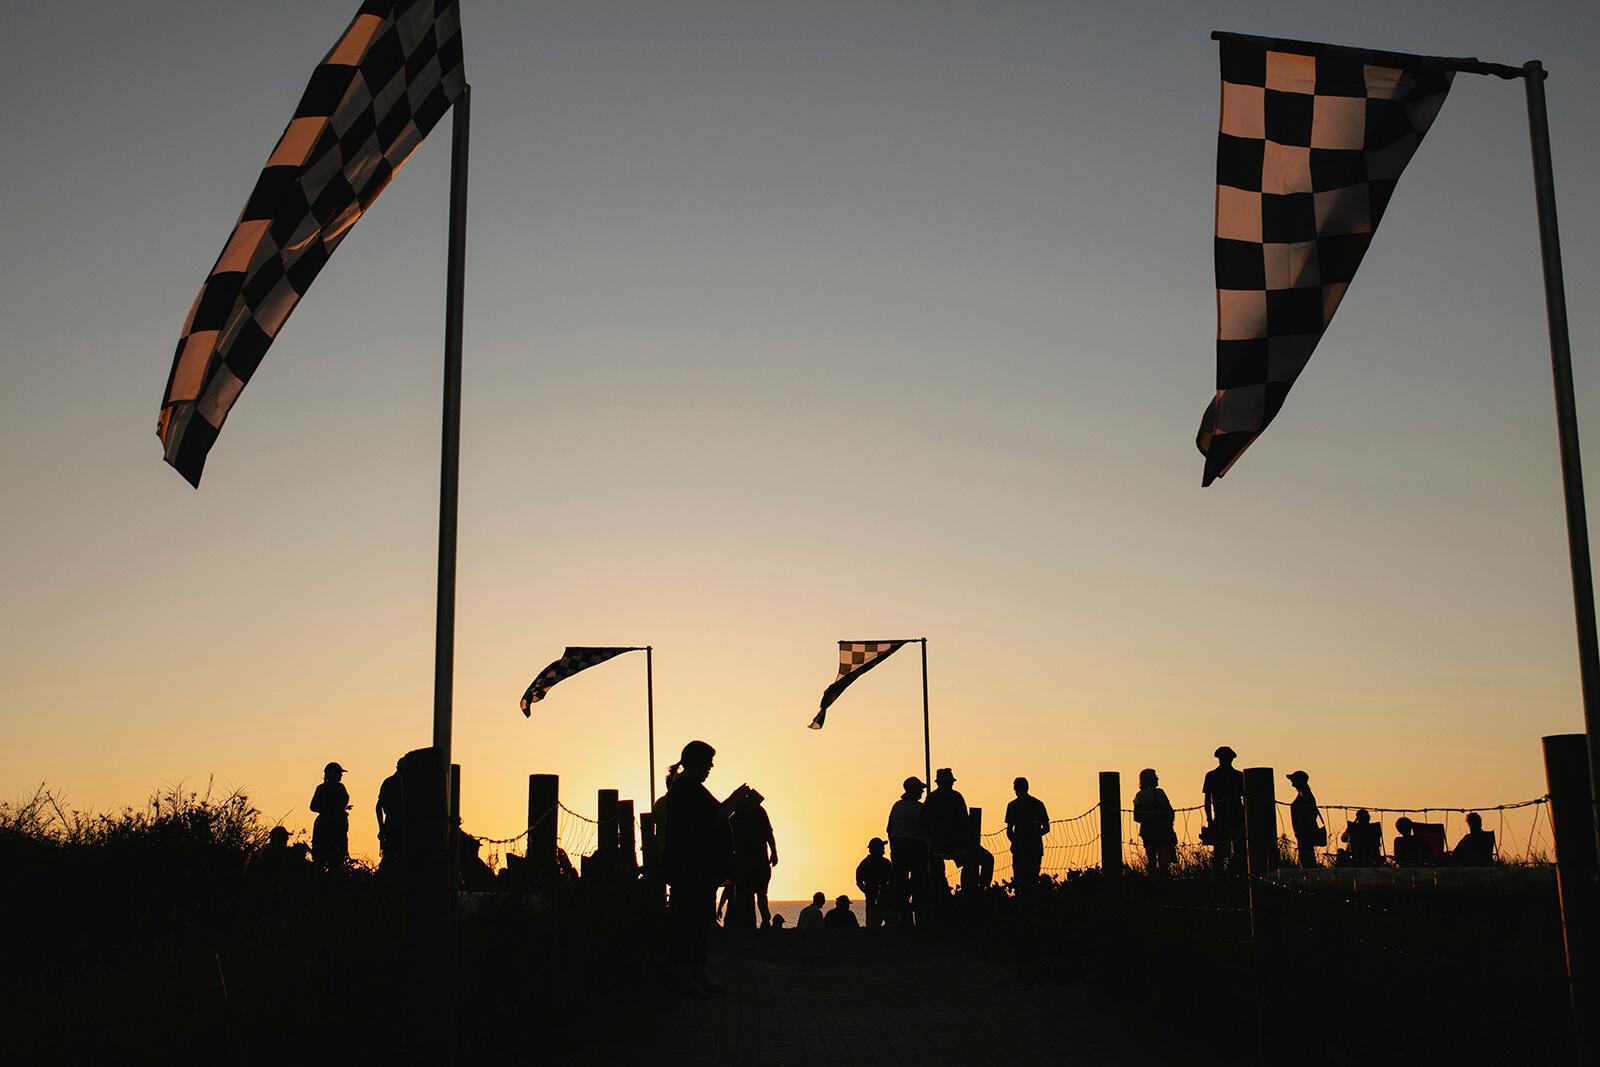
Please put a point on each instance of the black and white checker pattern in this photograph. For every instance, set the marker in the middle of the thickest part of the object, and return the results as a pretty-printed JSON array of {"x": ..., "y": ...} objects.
[
  {"x": 855, "y": 659},
  {"x": 1312, "y": 141},
  {"x": 573, "y": 660},
  {"x": 371, "y": 101}
]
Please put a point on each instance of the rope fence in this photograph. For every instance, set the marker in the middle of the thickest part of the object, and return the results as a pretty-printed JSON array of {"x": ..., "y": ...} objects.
[{"x": 1521, "y": 829}]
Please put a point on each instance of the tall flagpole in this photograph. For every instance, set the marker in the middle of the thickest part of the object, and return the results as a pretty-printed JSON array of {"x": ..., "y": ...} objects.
[
  {"x": 1555, "y": 301},
  {"x": 450, "y": 451},
  {"x": 927, "y": 749},
  {"x": 1576, "y": 915},
  {"x": 650, "y": 713}
]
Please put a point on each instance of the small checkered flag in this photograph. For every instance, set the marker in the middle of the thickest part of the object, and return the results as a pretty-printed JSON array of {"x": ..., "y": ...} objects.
[
  {"x": 573, "y": 660},
  {"x": 371, "y": 101},
  {"x": 1313, "y": 139},
  {"x": 855, "y": 659}
]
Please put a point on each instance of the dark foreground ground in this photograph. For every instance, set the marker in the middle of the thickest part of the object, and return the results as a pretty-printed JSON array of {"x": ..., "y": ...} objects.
[
  {"x": 885, "y": 998},
  {"x": 154, "y": 936}
]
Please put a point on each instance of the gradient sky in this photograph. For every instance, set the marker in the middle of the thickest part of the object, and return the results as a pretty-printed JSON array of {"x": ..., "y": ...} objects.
[{"x": 786, "y": 323}]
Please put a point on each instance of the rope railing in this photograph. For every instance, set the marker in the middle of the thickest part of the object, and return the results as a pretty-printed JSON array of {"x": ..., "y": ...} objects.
[
  {"x": 1071, "y": 845},
  {"x": 1518, "y": 841},
  {"x": 1074, "y": 844},
  {"x": 577, "y": 835}
]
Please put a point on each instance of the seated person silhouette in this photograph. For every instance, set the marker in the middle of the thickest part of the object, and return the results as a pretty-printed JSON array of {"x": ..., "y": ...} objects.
[
  {"x": 777, "y": 922},
  {"x": 1414, "y": 848},
  {"x": 1431, "y": 834},
  {"x": 810, "y": 917},
  {"x": 841, "y": 917},
  {"x": 1476, "y": 847},
  {"x": 1363, "y": 841}
]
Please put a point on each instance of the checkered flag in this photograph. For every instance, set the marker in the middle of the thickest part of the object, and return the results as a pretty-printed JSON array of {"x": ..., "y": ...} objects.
[
  {"x": 573, "y": 660},
  {"x": 388, "y": 81},
  {"x": 855, "y": 659},
  {"x": 1313, "y": 139}
]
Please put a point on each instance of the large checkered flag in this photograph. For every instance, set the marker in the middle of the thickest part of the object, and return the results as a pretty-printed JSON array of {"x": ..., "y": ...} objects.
[
  {"x": 371, "y": 101},
  {"x": 855, "y": 659},
  {"x": 573, "y": 660},
  {"x": 1313, "y": 139}
]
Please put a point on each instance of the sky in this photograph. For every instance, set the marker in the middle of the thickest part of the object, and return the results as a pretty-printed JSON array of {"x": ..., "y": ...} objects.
[{"x": 785, "y": 324}]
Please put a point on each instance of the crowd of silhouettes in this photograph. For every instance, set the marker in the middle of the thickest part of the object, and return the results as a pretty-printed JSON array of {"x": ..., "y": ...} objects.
[{"x": 703, "y": 844}]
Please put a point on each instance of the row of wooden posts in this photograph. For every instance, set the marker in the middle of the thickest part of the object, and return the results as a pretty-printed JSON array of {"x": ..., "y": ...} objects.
[{"x": 1566, "y": 767}]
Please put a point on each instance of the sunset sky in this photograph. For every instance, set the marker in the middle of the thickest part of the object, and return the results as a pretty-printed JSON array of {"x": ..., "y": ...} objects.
[{"x": 786, "y": 323}]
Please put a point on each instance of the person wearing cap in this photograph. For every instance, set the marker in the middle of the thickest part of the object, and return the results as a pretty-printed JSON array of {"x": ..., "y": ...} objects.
[
  {"x": 1306, "y": 819},
  {"x": 1224, "y": 803},
  {"x": 841, "y": 917},
  {"x": 874, "y": 877},
  {"x": 330, "y": 833},
  {"x": 908, "y": 849}
]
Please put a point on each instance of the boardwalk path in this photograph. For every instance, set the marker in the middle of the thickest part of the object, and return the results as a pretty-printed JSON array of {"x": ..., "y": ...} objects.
[{"x": 888, "y": 998}]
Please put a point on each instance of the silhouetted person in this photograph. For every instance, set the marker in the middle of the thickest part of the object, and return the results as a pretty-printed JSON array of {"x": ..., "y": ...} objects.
[
  {"x": 1027, "y": 823},
  {"x": 330, "y": 833},
  {"x": 1224, "y": 802},
  {"x": 1420, "y": 844},
  {"x": 475, "y": 875},
  {"x": 777, "y": 922},
  {"x": 1306, "y": 819},
  {"x": 1363, "y": 841},
  {"x": 697, "y": 856},
  {"x": 908, "y": 849},
  {"x": 277, "y": 863},
  {"x": 755, "y": 853},
  {"x": 811, "y": 916},
  {"x": 1476, "y": 847},
  {"x": 945, "y": 812},
  {"x": 390, "y": 810},
  {"x": 875, "y": 879},
  {"x": 841, "y": 917},
  {"x": 1153, "y": 812}
]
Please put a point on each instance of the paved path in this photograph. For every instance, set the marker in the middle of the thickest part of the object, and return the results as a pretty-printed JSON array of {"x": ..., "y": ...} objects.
[{"x": 850, "y": 997}]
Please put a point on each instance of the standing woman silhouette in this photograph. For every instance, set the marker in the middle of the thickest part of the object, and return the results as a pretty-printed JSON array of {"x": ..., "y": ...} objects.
[{"x": 697, "y": 854}]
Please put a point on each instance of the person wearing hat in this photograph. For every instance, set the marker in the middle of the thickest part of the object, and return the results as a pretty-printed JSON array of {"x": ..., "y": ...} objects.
[
  {"x": 1224, "y": 802},
  {"x": 908, "y": 849},
  {"x": 874, "y": 877},
  {"x": 948, "y": 829},
  {"x": 1306, "y": 819},
  {"x": 330, "y": 834}
]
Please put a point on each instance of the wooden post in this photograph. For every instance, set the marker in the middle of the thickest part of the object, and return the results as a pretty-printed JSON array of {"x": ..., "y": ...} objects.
[
  {"x": 1260, "y": 820},
  {"x": 606, "y": 833},
  {"x": 1111, "y": 823},
  {"x": 647, "y": 843},
  {"x": 627, "y": 858},
  {"x": 544, "y": 797},
  {"x": 1566, "y": 768},
  {"x": 656, "y": 888}
]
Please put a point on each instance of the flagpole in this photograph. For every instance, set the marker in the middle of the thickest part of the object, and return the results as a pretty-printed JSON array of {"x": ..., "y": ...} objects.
[
  {"x": 450, "y": 453},
  {"x": 1581, "y": 984},
  {"x": 650, "y": 713},
  {"x": 1555, "y": 300},
  {"x": 927, "y": 750}
]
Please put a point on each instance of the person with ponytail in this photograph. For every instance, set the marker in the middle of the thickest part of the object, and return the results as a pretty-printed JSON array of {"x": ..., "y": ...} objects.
[{"x": 696, "y": 847}]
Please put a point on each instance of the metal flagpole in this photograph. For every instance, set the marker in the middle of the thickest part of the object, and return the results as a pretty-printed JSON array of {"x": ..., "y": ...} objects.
[
  {"x": 1555, "y": 300},
  {"x": 927, "y": 750},
  {"x": 450, "y": 452},
  {"x": 650, "y": 712},
  {"x": 1576, "y": 914}
]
